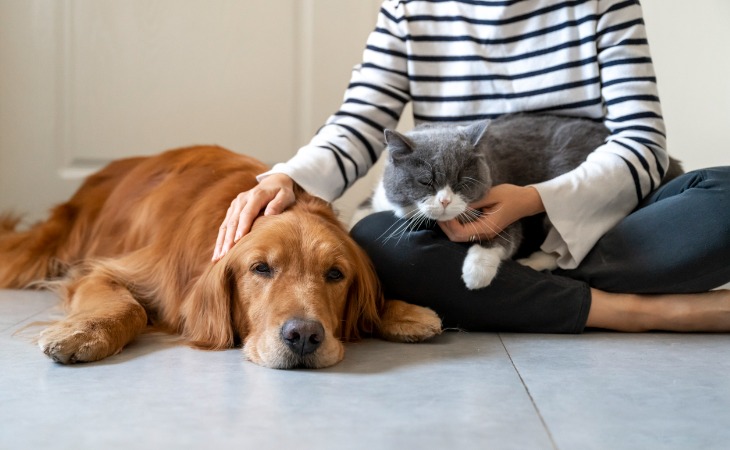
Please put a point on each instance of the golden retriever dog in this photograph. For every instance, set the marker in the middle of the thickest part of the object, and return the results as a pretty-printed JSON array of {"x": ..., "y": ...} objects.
[{"x": 133, "y": 248}]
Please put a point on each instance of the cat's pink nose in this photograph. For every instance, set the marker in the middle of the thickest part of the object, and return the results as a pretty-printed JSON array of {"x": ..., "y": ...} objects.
[{"x": 444, "y": 197}]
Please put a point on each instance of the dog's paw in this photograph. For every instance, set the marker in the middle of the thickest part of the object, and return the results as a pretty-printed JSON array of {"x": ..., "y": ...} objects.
[
  {"x": 480, "y": 266},
  {"x": 71, "y": 341},
  {"x": 403, "y": 322},
  {"x": 540, "y": 261}
]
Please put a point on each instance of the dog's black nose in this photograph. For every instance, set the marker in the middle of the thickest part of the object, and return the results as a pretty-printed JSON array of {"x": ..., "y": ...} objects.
[{"x": 302, "y": 336}]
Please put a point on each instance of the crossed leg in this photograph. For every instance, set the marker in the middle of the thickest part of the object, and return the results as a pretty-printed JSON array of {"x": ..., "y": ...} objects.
[{"x": 706, "y": 311}]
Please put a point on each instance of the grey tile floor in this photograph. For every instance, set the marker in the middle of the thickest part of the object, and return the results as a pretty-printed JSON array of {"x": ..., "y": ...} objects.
[{"x": 463, "y": 390}]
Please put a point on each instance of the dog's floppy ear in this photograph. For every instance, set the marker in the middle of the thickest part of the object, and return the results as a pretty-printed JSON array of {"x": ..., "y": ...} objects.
[
  {"x": 207, "y": 309},
  {"x": 364, "y": 298}
]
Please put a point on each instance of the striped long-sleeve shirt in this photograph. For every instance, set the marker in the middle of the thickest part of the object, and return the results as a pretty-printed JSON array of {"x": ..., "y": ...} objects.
[{"x": 466, "y": 60}]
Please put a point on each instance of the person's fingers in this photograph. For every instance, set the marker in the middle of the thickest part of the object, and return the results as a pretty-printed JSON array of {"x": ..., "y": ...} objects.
[
  {"x": 221, "y": 235},
  {"x": 247, "y": 215},
  {"x": 453, "y": 230},
  {"x": 479, "y": 230},
  {"x": 230, "y": 224},
  {"x": 275, "y": 193},
  {"x": 283, "y": 199}
]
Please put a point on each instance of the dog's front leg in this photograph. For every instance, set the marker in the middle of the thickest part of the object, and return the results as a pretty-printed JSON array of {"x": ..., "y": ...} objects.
[
  {"x": 103, "y": 318},
  {"x": 404, "y": 322}
]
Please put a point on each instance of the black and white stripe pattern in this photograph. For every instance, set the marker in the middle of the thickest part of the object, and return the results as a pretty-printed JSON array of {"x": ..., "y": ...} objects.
[{"x": 465, "y": 60}]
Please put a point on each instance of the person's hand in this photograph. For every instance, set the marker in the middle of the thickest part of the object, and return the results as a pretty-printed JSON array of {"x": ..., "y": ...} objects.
[
  {"x": 275, "y": 193},
  {"x": 503, "y": 205}
]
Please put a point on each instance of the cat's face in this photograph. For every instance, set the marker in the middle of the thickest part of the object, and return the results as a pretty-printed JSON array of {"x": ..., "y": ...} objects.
[{"x": 435, "y": 172}]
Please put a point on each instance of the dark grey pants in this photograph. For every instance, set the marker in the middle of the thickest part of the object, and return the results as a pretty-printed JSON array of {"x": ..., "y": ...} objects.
[{"x": 677, "y": 240}]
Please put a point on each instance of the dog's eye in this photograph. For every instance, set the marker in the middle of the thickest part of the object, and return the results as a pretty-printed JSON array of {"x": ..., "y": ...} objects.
[
  {"x": 334, "y": 275},
  {"x": 262, "y": 269}
]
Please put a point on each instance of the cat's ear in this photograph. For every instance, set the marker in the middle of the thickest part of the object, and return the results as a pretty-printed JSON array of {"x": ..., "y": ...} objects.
[
  {"x": 398, "y": 145},
  {"x": 476, "y": 131}
]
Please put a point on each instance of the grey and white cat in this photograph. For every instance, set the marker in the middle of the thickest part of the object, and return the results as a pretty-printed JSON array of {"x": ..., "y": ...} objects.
[{"x": 435, "y": 171}]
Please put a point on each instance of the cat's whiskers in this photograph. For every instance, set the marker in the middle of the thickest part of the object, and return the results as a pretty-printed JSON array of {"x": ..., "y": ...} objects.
[
  {"x": 476, "y": 233},
  {"x": 400, "y": 228},
  {"x": 470, "y": 216},
  {"x": 417, "y": 221},
  {"x": 490, "y": 211},
  {"x": 469, "y": 181},
  {"x": 412, "y": 221}
]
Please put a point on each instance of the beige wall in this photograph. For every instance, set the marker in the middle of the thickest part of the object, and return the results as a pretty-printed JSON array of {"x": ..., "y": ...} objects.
[
  {"x": 690, "y": 43},
  {"x": 86, "y": 81},
  {"x": 689, "y": 40}
]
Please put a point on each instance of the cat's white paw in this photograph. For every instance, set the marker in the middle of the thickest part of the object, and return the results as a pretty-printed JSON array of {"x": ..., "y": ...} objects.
[
  {"x": 481, "y": 265},
  {"x": 540, "y": 261}
]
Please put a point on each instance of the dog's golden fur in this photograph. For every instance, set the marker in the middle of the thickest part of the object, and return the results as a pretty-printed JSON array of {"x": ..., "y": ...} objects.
[{"x": 132, "y": 247}]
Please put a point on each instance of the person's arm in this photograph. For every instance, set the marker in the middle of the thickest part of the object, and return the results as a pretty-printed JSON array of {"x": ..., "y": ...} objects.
[
  {"x": 349, "y": 143},
  {"x": 585, "y": 203},
  {"x": 351, "y": 140}
]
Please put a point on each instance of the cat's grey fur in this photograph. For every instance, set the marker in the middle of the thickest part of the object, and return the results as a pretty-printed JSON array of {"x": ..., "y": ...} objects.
[{"x": 435, "y": 171}]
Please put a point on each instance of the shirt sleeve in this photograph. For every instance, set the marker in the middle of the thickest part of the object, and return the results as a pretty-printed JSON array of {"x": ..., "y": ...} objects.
[
  {"x": 351, "y": 140},
  {"x": 582, "y": 205}
]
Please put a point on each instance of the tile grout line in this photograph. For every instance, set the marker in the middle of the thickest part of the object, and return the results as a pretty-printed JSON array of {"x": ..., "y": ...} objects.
[{"x": 527, "y": 390}]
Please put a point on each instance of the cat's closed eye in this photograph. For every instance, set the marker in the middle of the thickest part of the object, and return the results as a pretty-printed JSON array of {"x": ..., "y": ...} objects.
[
  {"x": 464, "y": 180},
  {"x": 424, "y": 181}
]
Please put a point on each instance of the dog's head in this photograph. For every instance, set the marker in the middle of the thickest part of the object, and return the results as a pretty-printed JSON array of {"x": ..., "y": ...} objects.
[{"x": 290, "y": 291}]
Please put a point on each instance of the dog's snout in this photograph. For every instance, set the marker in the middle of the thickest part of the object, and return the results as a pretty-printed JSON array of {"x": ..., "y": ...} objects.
[{"x": 302, "y": 336}]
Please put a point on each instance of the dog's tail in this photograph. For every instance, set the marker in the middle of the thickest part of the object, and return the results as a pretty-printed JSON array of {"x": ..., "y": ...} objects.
[
  {"x": 28, "y": 256},
  {"x": 8, "y": 223}
]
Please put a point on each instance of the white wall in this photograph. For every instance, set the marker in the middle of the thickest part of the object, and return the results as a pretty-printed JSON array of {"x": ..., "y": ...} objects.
[
  {"x": 28, "y": 107},
  {"x": 689, "y": 40},
  {"x": 86, "y": 81}
]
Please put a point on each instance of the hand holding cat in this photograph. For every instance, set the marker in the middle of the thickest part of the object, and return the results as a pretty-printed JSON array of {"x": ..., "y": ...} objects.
[
  {"x": 275, "y": 193},
  {"x": 503, "y": 205}
]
